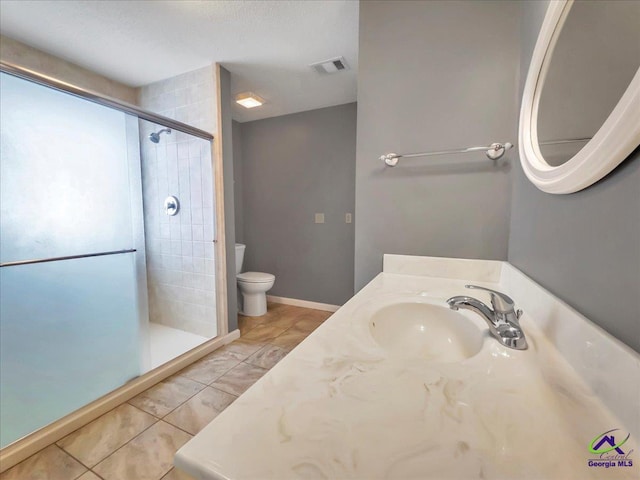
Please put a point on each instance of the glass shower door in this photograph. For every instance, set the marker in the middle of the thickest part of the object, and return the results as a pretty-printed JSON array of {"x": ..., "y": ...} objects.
[{"x": 72, "y": 283}]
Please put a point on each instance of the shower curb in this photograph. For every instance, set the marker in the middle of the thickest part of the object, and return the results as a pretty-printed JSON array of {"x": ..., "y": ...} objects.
[{"x": 34, "y": 442}]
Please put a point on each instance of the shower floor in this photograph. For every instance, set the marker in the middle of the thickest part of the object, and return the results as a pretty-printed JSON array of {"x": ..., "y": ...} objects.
[{"x": 168, "y": 343}]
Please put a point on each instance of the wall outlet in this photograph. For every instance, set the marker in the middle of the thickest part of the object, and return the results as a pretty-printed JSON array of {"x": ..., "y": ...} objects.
[
  {"x": 319, "y": 217},
  {"x": 347, "y": 218}
]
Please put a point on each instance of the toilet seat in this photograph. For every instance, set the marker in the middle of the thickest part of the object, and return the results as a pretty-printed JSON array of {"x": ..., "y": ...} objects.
[{"x": 255, "y": 277}]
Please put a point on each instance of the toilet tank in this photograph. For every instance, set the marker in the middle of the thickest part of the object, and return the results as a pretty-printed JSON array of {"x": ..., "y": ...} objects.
[{"x": 239, "y": 256}]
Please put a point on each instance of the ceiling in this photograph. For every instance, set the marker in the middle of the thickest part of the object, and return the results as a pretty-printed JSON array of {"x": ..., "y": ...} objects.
[{"x": 266, "y": 45}]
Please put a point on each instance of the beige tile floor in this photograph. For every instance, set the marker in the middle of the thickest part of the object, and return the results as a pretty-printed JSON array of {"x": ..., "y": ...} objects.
[{"x": 137, "y": 440}]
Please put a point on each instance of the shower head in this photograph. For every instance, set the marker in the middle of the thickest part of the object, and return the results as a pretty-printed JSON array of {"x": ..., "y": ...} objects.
[{"x": 155, "y": 136}]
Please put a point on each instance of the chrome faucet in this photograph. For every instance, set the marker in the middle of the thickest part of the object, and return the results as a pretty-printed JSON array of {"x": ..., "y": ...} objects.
[{"x": 502, "y": 320}]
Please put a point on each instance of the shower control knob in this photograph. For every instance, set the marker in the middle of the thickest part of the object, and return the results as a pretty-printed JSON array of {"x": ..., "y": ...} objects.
[{"x": 171, "y": 206}]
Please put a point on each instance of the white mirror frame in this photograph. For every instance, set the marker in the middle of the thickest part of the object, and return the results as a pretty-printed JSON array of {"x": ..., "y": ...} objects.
[{"x": 618, "y": 136}]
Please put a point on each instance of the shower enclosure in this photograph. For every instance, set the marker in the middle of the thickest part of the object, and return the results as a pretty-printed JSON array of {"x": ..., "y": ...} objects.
[
  {"x": 177, "y": 189},
  {"x": 100, "y": 280}
]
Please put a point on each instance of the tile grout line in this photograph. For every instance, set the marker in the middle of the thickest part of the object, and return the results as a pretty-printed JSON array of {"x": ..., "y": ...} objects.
[
  {"x": 170, "y": 411},
  {"x": 131, "y": 440},
  {"x": 192, "y": 396},
  {"x": 80, "y": 461},
  {"x": 189, "y": 378},
  {"x": 126, "y": 443},
  {"x": 179, "y": 405},
  {"x": 76, "y": 459},
  {"x": 225, "y": 372},
  {"x": 100, "y": 477},
  {"x": 260, "y": 366},
  {"x": 205, "y": 386},
  {"x": 181, "y": 429},
  {"x": 67, "y": 453},
  {"x": 219, "y": 411},
  {"x": 94, "y": 420},
  {"x": 143, "y": 411},
  {"x": 232, "y": 394}
]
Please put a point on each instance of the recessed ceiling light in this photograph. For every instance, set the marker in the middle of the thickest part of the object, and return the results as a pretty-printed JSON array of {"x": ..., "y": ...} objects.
[{"x": 249, "y": 100}]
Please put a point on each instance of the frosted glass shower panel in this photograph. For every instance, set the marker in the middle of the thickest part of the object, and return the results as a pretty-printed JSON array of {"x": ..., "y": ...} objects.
[
  {"x": 70, "y": 329},
  {"x": 68, "y": 335},
  {"x": 64, "y": 175}
]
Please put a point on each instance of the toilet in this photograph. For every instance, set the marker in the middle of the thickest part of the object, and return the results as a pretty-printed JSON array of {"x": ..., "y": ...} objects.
[{"x": 253, "y": 286}]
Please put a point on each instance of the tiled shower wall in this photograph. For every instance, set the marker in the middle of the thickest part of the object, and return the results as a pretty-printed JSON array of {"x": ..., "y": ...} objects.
[{"x": 180, "y": 250}]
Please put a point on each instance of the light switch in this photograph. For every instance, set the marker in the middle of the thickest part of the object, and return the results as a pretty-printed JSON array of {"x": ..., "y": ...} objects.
[
  {"x": 319, "y": 217},
  {"x": 347, "y": 218}
]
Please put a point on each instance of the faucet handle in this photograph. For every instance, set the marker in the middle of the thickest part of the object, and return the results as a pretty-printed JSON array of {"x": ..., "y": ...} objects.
[{"x": 499, "y": 301}]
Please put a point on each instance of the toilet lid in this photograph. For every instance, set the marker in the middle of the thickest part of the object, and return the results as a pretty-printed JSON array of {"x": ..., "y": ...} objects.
[{"x": 255, "y": 277}]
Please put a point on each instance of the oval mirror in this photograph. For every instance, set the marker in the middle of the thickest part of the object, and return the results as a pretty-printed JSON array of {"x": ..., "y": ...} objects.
[{"x": 580, "y": 113}]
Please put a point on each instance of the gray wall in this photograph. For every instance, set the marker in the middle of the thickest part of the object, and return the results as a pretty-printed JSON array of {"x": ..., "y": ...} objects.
[
  {"x": 237, "y": 181},
  {"x": 229, "y": 210},
  {"x": 295, "y": 166},
  {"x": 584, "y": 247},
  {"x": 434, "y": 75}
]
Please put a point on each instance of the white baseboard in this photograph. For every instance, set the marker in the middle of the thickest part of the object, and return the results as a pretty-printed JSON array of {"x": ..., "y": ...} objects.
[
  {"x": 303, "y": 303},
  {"x": 18, "y": 451}
]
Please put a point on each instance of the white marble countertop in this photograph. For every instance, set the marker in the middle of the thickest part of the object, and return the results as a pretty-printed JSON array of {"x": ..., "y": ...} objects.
[{"x": 340, "y": 406}]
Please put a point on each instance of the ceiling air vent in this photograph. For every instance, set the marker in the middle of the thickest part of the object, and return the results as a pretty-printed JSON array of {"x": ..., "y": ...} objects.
[{"x": 333, "y": 65}]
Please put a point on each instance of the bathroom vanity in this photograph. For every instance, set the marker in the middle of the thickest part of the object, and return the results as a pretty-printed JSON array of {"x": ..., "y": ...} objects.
[{"x": 396, "y": 385}]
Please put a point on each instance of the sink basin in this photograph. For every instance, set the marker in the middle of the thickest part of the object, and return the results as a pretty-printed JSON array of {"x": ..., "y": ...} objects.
[{"x": 426, "y": 331}]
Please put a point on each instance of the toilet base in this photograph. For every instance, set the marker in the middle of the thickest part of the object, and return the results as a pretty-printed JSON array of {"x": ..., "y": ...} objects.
[{"x": 254, "y": 304}]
